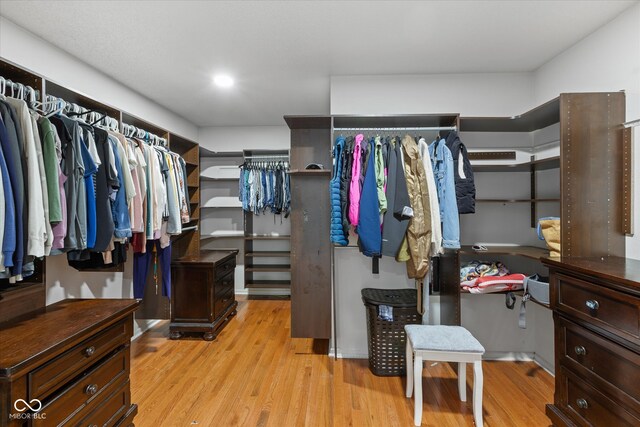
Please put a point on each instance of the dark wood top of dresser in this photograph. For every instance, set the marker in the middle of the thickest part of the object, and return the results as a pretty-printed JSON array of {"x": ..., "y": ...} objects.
[
  {"x": 31, "y": 341},
  {"x": 623, "y": 271},
  {"x": 213, "y": 257}
]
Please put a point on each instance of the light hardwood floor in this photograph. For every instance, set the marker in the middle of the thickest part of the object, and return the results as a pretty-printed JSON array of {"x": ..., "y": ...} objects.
[{"x": 254, "y": 374}]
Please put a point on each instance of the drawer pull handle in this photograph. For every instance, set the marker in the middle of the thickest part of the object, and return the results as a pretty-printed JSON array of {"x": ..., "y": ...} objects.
[
  {"x": 89, "y": 351},
  {"x": 582, "y": 404},
  {"x": 592, "y": 304},
  {"x": 580, "y": 350},
  {"x": 92, "y": 389}
]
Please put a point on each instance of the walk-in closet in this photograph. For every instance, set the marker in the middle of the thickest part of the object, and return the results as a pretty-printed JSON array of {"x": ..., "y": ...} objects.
[{"x": 276, "y": 213}]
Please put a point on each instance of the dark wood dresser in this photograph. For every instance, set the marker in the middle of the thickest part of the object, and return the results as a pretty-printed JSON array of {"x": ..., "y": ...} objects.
[
  {"x": 203, "y": 293},
  {"x": 70, "y": 363},
  {"x": 596, "y": 312}
]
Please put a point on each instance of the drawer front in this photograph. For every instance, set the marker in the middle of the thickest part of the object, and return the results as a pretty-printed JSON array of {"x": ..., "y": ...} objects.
[
  {"x": 87, "y": 392},
  {"x": 589, "y": 407},
  {"x": 226, "y": 267},
  {"x": 111, "y": 410},
  {"x": 224, "y": 300},
  {"x": 44, "y": 380},
  {"x": 614, "y": 311},
  {"x": 594, "y": 356}
]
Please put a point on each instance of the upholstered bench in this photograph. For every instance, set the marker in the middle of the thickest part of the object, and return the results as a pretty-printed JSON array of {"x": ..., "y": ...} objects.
[{"x": 444, "y": 344}]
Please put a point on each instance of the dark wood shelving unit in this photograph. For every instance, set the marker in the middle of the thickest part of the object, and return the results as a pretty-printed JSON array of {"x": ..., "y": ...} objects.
[
  {"x": 540, "y": 117},
  {"x": 261, "y": 275}
]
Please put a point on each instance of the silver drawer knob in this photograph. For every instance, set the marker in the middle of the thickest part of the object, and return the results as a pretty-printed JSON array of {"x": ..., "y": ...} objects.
[
  {"x": 91, "y": 389},
  {"x": 582, "y": 404},
  {"x": 592, "y": 304},
  {"x": 580, "y": 350},
  {"x": 89, "y": 351}
]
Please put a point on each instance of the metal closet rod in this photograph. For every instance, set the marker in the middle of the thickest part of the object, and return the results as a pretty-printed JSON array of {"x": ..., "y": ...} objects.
[
  {"x": 632, "y": 123},
  {"x": 283, "y": 157},
  {"x": 399, "y": 128}
]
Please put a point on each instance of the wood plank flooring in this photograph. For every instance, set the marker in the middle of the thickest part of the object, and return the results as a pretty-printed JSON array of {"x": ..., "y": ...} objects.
[{"x": 254, "y": 374}]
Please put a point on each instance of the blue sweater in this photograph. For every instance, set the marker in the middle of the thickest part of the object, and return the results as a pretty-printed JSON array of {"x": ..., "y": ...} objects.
[{"x": 9, "y": 237}]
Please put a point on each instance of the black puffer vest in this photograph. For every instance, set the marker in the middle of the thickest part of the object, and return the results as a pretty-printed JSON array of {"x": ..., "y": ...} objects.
[{"x": 465, "y": 186}]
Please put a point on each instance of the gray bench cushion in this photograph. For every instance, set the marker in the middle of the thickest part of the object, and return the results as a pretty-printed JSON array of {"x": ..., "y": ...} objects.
[{"x": 442, "y": 338}]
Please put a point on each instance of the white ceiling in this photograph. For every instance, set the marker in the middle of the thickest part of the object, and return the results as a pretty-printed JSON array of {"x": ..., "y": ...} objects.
[{"x": 282, "y": 53}]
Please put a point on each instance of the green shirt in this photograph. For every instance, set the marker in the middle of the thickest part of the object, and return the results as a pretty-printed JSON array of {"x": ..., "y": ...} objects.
[{"x": 50, "y": 158}]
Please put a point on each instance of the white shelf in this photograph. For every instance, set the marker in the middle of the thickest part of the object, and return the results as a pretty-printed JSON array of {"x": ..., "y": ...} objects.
[
  {"x": 222, "y": 202},
  {"x": 221, "y": 234},
  {"x": 220, "y": 172}
]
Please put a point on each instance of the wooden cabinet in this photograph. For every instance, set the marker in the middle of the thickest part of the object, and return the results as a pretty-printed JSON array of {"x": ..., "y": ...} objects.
[
  {"x": 596, "y": 311},
  {"x": 203, "y": 295},
  {"x": 71, "y": 363}
]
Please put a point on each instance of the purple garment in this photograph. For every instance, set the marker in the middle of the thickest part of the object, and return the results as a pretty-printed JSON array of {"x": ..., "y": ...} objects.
[{"x": 141, "y": 263}]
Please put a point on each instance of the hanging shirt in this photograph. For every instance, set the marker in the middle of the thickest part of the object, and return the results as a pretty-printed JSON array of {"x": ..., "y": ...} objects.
[
  {"x": 51, "y": 167},
  {"x": 443, "y": 170},
  {"x": 13, "y": 157},
  {"x": 60, "y": 229},
  {"x": 119, "y": 207},
  {"x": 8, "y": 226},
  {"x": 434, "y": 204},
  {"x": 73, "y": 168},
  {"x": 354, "y": 187},
  {"x": 43, "y": 182},
  {"x": 36, "y": 228},
  {"x": 90, "y": 170}
]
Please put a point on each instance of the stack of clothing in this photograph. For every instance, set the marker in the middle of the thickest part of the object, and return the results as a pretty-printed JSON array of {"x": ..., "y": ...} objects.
[{"x": 478, "y": 277}]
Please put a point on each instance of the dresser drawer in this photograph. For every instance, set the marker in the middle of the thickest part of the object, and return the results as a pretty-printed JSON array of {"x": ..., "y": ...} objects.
[
  {"x": 224, "y": 298},
  {"x": 86, "y": 393},
  {"x": 226, "y": 267},
  {"x": 589, "y": 407},
  {"x": 611, "y": 310},
  {"x": 111, "y": 410},
  {"x": 600, "y": 360},
  {"x": 43, "y": 381}
]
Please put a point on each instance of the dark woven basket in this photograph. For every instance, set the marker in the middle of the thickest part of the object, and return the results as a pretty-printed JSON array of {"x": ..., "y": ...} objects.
[{"x": 387, "y": 339}]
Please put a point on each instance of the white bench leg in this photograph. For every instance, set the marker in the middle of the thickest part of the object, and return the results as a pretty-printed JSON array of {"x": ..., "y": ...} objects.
[
  {"x": 462, "y": 381},
  {"x": 477, "y": 392},
  {"x": 417, "y": 381},
  {"x": 409, "y": 363}
]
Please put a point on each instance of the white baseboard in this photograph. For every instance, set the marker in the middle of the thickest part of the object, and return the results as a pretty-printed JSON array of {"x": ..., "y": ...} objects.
[
  {"x": 544, "y": 364},
  {"x": 141, "y": 330}
]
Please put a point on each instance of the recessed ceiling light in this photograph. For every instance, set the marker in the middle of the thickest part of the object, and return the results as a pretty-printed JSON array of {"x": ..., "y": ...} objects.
[{"x": 223, "y": 80}]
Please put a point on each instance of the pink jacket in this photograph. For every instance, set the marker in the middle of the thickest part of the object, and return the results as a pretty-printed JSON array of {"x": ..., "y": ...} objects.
[{"x": 354, "y": 186}]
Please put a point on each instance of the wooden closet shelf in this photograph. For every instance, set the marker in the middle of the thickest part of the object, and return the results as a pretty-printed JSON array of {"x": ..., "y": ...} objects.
[
  {"x": 537, "y": 165},
  {"x": 266, "y": 237},
  {"x": 310, "y": 172},
  {"x": 223, "y": 234},
  {"x": 266, "y": 254},
  {"x": 268, "y": 267},
  {"x": 209, "y": 178},
  {"x": 524, "y": 251},
  {"x": 204, "y": 152},
  {"x": 266, "y": 284},
  {"x": 519, "y": 293},
  {"x": 191, "y": 164},
  {"x": 540, "y": 117},
  {"x": 516, "y": 200}
]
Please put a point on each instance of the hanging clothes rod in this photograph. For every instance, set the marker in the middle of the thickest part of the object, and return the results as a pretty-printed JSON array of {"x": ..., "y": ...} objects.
[
  {"x": 398, "y": 128},
  {"x": 266, "y": 157}
]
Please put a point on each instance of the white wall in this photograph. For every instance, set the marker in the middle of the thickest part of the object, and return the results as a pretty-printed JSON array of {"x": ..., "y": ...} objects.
[
  {"x": 29, "y": 51},
  {"x": 238, "y": 138},
  {"x": 606, "y": 60},
  {"x": 498, "y": 94}
]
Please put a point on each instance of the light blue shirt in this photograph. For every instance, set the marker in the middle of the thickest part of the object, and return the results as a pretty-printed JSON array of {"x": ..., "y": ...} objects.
[{"x": 442, "y": 161}]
